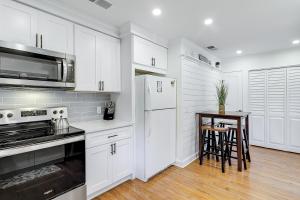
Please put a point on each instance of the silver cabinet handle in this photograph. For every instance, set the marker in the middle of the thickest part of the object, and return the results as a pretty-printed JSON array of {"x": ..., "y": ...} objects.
[
  {"x": 111, "y": 136},
  {"x": 102, "y": 85},
  {"x": 36, "y": 40},
  {"x": 41, "y": 40},
  {"x": 112, "y": 149},
  {"x": 115, "y": 148},
  {"x": 154, "y": 61},
  {"x": 99, "y": 85}
]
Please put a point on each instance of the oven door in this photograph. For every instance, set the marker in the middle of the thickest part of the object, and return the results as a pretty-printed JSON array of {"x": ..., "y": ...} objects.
[{"x": 43, "y": 174}]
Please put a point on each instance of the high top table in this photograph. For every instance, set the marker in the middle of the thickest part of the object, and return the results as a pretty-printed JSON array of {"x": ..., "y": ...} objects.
[{"x": 238, "y": 116}]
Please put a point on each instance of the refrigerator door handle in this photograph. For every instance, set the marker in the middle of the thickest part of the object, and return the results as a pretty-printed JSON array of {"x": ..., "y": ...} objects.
[{"x": 149, "y": 91}]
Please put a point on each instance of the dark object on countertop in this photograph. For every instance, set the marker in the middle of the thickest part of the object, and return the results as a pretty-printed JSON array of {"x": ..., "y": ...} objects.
[{"x": 109, "y": 111}]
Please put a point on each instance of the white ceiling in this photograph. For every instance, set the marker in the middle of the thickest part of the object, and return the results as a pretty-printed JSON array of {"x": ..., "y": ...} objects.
[{"x": 250, "y": 25}]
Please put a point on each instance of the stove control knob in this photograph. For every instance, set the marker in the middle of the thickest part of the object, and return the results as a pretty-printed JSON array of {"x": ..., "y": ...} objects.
[
  {"x": 61, "y": 111},
  {"x": 10, "y": 115},
  {"x": 55, "y": 112},
  {"x": 1, "y": 116}
]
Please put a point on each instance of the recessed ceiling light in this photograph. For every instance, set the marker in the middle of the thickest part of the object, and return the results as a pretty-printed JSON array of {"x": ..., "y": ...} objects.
[
  {"x": 156, "y": 12},
  {"x": 239, "y": 52},
  {"x": 296, "y": 42},
  {"x": 208, "y": 21}
]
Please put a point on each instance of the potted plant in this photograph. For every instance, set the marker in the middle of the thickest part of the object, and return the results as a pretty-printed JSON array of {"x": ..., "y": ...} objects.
[{"x": 222, "y": 92}]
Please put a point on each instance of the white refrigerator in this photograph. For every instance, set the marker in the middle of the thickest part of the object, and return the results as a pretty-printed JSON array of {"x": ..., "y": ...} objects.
[{"x": 155, "y": 127}]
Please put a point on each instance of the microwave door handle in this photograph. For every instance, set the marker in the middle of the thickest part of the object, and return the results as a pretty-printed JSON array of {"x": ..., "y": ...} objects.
[
  {"x": 65, "y": 70},
  {"x": 59, "y": 71}
]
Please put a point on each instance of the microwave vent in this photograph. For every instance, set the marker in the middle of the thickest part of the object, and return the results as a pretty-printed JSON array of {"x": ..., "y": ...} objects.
[{"x": 102, "y": 3}]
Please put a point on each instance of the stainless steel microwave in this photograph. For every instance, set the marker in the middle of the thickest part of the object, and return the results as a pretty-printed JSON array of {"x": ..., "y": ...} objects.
[{"x": 27, "y": 66}]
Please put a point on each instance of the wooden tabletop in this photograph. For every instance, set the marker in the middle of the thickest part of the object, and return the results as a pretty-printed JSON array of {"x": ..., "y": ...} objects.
[{"x": 227, "y": 114}]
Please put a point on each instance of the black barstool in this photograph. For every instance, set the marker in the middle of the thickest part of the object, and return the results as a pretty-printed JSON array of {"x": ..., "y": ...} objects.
[{"x": 216, "y": 141}]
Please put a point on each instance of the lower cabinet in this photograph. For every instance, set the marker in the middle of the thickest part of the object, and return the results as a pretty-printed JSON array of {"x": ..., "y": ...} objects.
[{"x": 108, "y": 163}]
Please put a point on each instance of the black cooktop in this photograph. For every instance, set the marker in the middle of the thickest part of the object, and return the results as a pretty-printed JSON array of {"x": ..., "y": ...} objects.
[{"x": 15, "y": 135}]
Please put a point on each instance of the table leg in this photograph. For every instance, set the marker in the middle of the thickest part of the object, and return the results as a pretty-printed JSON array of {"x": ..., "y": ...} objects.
[
  {"x": 239, "y": 144},
  {"x": 201, "y": 142},
  {"x": 248, "y": 138}
]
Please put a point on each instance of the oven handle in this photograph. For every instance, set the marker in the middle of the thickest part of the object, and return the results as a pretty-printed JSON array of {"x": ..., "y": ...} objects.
[
  {"x": 44, "y": 145},
  {"x": 65, "y": 70}
]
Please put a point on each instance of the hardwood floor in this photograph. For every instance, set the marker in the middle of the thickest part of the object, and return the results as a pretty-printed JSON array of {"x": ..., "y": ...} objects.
[{"x": 271, "y": 175}]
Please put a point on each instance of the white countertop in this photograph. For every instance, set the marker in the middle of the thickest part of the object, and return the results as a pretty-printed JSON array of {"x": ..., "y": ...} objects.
[{"x": 100, "y": 125}]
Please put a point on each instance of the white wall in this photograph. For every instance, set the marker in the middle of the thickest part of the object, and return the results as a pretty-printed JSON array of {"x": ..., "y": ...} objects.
[
  {"x": 272, "y": 59},
  {"x": 195, "y": 92}
]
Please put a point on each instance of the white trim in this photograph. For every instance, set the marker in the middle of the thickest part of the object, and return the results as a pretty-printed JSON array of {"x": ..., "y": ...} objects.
[
  {"x": 111, "y": 186},
  {"x": 186, "y": 161}
]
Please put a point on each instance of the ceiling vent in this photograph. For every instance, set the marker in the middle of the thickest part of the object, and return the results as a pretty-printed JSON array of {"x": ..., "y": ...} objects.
[
  {"x": 102, "y": 3},
  {"x": 213, "y": 48}
]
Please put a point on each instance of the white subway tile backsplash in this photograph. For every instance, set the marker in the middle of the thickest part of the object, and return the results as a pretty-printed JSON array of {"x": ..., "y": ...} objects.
[{"x": 81, "y": 106}]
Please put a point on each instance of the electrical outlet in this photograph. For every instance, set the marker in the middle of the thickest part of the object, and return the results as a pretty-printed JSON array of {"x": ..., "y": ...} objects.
[{"x": 99, "y": 110}]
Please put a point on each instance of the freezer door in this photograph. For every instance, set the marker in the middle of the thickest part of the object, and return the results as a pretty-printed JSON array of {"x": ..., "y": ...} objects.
[
  {"x": 160, "y": 93},
  {"x": 160, "y": 140}
]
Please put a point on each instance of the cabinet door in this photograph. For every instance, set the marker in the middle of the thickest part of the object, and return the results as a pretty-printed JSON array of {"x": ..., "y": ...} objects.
[
  {"x": 293, "y": 107},
  {"x": 18, "y": 23},
  {"x": 85, "y": 51},
  {"x": 98, "y": 167},
  {"x": 276, "y": 95},
  {"x": 257, "y": 104},
  {"x": 161, "y": 57},
  {"x": 108, "y": 63},
  {"x": 142, "y": 51},
  {"x": 122, "y": 159},
  {"x": 57, "y": 34}
]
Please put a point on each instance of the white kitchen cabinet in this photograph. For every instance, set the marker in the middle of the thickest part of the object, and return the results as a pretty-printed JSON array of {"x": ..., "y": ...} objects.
[
  {"x": 98, "y": 174},
  {"x": 85, "y": 52},
  {"x": 55, "y": 34},
  {"x": 108, "y": 63},
  {"x": 109, "y": 157},
  {"x": 18, "y": 23},
  {"x": 97, "y": 61},
  {"x": 121, "y": 160},
  {"x": 149, "y": 56}
]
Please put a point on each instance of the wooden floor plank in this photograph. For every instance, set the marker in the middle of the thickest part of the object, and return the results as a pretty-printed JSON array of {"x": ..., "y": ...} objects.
[{"x": 272, "y": 175}]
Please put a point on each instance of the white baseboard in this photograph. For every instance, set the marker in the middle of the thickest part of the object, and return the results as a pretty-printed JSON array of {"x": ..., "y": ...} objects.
[
  {"x": 185, "y": 162},
  {"x": 101, "y": 191}
]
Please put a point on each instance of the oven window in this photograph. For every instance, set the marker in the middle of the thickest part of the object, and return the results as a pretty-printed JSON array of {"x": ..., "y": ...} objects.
[{"x": 43, "y": 174}]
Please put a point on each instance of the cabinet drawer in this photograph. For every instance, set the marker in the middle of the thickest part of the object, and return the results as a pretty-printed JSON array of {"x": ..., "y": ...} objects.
[{"x": 103, "y": 137}]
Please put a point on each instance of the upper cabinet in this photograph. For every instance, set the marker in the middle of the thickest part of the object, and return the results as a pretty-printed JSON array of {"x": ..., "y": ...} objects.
[
  {"x": 55, "y": 33},
  {"x": 98, "y": 61},
  {"x": 108, "y": 63},
  {"x": 149, "y": 56},
  {"x": 19, "y": 23},
  {"x": 85, "y": 52},
  {"x": 31, "y": 27}
]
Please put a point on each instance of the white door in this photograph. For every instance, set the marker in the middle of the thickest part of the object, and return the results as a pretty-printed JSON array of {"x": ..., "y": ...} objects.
[
  {"x": 142, "y": 51},
  {"x": 276, "y": 94},
  {"x": 257, "y": 106},
  {"x": 85, "y": 51},
  {"x": 293, "y": 108},
  {"x": 161, "y": 57},
  {"x": 160, "y": 140},
  {"x": 18, "y": 23},
  {"x": 98, "y": 167},
  {"x": 108, "y": 63},
  {"x": 121, "y": 160},
  {"x": 56, "y": 33},
  {"x": 234, "y": 82},
  {"x": 160, "y": 93}
]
